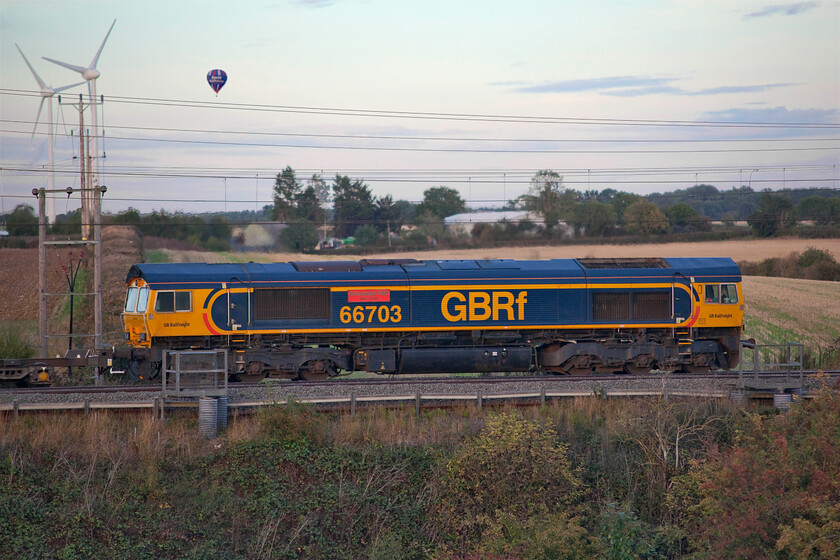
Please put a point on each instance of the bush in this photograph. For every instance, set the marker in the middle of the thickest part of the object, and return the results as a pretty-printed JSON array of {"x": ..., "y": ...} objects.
[
  {"x": 499, "y": 491},
  {"x": 14, "y": 344},
  {"x": 299, "y": 237},
  {"x": 366, "y": 235}
]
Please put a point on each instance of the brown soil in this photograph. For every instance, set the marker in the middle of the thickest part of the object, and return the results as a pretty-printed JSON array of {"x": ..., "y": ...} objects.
[
  {"x": 750, "y": 250},
  {"x": 767, "y": 298},
  {"x": 121, "y": 246},
  {"x": 789, "y": 309}
]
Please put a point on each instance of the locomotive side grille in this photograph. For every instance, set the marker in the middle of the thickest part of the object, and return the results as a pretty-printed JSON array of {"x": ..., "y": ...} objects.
[
  {"x": 639, "y": 306},
  {"x": 608, "y": 306},
  {"x": 651, "y": 305},
  {"x": 290, "y": 303}
]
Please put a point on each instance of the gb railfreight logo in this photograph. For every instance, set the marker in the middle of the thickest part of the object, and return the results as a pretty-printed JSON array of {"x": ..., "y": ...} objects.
[{"x": 484, "y": 306}]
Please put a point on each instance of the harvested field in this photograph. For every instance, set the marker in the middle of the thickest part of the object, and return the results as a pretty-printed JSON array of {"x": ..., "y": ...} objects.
[
  {"x": 787, "y": 309},
  {"x": 742, "y": 250},
  {"x": 121, "y": 246},
  {"x": 778, "y": 309}
]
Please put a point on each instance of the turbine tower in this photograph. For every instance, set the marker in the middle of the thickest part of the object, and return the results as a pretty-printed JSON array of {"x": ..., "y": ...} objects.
[
  {"x": 46, "y": 95},
  {"x": 90, "y": 73}
]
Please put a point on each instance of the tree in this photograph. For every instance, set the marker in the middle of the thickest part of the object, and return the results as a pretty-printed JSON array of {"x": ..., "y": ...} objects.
[
  {"x": 621, "y": 200},
  {"x": 299, "y": 236},
  {"x": 774, "y": 213},
  {"x": 643, "y": 218},
  {"x": 593, "y": 218},
  {"x": 321, "y": 188},
  {"x": 366, "y": 234},
  {"x": 286, "y": 190},
  {"x": 22, "y": 221},
  {"x": 130, "y": 217},
  {"x": 388, "y": 214},
  {"x": 442, "y": 202},
  {"x": 307, "y": 206},
  {"x": 823, "y": 211},
  {"x": 545, "y": 197},
  {"x": 354, "y": 205},
  {"x": 682, "y": 215}
]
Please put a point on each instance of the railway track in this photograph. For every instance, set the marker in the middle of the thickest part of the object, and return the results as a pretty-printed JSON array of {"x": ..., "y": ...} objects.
[{"x": 400, "y": 382}]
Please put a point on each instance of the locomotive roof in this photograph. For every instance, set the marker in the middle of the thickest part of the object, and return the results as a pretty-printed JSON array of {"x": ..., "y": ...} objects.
[{"x": 397, "y": 270}]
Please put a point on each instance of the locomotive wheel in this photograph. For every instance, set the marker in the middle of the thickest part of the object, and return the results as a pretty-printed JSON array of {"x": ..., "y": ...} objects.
[
  {"x": 696, "y": 370},
  {"x": 634, "y": 369},
  {"x": 316, "y": 370},
  {"x": 254, "y": 372}
]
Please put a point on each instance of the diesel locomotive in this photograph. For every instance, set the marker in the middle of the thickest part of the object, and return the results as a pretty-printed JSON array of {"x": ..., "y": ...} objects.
[{"x": 314, "y": 320}]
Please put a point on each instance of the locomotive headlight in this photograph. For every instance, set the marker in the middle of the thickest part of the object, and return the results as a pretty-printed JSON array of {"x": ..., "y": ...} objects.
[
  {"x": 142, "y": 337},
  {"x": 126, "y": 335}
]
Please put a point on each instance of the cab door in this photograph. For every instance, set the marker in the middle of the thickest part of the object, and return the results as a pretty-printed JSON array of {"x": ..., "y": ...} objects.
[
  {"x": 683, "y": 298},
  {"x": 239, "y": 314}
]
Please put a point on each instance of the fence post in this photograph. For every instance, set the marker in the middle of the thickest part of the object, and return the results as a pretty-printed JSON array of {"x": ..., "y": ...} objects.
[{"x": 417, "y": 403}]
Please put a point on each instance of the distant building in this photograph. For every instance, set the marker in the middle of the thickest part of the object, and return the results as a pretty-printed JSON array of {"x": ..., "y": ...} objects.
[
  {"x": 464, "y": 223},
  {"x": 257, "y": 236}
]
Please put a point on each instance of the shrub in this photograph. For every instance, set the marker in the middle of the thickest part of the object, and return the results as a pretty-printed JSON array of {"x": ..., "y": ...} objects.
[
  {"x": 14, "y": 344},
  {"x": 366, "y": 235},
  {"x": 498, "y": 491}
]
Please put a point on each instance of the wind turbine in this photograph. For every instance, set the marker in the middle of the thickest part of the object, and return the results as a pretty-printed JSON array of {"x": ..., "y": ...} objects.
[
  {"x": 90, "y": 74},
  {"x": 46, "y": 95}
]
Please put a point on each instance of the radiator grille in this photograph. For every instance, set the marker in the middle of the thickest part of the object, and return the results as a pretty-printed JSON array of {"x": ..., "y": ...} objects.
[
  {"x": 286, "y": 303},
  {"x": 626, "y": 306},
  {"x": 607, "y": 306},
  {"x": 651, "y": 305}
]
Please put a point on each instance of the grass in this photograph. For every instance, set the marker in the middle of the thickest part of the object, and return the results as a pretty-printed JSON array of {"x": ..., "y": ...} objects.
[
  {"x": 155, "y": 256},
  {"x": 16, "y": 339}
]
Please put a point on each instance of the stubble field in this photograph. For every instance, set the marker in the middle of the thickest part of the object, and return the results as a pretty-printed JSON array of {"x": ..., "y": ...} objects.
[{"x": 778, "y": 309}]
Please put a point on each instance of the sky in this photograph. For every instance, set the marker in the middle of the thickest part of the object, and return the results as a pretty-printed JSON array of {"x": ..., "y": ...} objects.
[{"x": 640, "y": 96}]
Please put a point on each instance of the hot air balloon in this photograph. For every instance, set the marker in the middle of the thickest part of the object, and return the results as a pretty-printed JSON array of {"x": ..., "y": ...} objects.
[{"x": 216, "y": 78}]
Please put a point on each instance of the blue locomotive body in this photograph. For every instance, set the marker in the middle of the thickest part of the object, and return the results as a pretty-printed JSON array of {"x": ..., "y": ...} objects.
[{"x": 407, "y": 314}]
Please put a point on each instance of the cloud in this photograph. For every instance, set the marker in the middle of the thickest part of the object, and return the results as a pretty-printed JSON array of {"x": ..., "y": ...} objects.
[
  {"x": 783, "y": 9},
  {"x": 632, "y": 86},
  {"x": 595, "y": 84},
  {"x": 773, "y": 115},
  {"x": 737, "y": 89},
  {"x": 316, "y": 3}
]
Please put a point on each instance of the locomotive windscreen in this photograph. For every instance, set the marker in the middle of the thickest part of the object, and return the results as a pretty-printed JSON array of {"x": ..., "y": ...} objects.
[{"x": 290, "y": 303}]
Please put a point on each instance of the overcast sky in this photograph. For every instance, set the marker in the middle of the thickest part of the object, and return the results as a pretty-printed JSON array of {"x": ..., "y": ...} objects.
[{"x": 408, "y": 95}]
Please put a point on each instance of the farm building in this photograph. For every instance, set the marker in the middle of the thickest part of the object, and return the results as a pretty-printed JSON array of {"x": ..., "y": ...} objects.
[{"x": 464, "y": 223}]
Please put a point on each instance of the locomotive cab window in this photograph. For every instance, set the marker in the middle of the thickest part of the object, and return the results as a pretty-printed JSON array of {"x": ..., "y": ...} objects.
[
  {"x": 712, "y": 293},
  {"x": 167, "y": 302},
  {"x": 721, "y": 293},
  {"x": 728, "y": 293},
  {"x": 131, "y": 299},
  {"x": 142, "y": 300},
  {"x": 136, "y": 299}
]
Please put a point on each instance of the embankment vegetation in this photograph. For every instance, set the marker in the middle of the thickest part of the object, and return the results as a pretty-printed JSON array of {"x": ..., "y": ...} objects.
[{"x": 577, "y": 479}]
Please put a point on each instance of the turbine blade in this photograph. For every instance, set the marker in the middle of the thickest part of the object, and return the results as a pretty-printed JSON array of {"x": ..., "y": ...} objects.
[
  {"x": 96, "y": 58},
  {"x": 38, "y": 118},
  {"x": 34, "y": 73},
  {"x": 78, "y": 69},
  {"x": 56, "y": 90}
]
